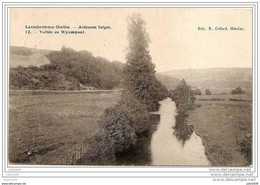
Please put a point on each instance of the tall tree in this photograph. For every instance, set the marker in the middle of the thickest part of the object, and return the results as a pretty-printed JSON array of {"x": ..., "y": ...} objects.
[{"x": 139, "y": 73}]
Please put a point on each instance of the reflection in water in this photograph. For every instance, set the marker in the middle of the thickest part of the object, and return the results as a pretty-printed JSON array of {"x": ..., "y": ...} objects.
[
  {"x": 140, "y": 153},
  {"x": 182, "y": 130},
  {"x": 167, "y": 148},
  {"x": 172, "y": 143}
]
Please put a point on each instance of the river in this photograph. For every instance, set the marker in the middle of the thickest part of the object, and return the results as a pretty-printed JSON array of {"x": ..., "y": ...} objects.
[{"x": 174, "y": 144}]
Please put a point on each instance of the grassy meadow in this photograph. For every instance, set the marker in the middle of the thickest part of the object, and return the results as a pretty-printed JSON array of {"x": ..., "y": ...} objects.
[
  {"x": 222, "y": 121},
  {"x": 51, "y": 128}
]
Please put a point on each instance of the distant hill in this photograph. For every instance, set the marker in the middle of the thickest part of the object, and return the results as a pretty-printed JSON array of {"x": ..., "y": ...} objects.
[
  {"x": 168, "y": 81},
  {"x": 218, "y": 80},
  {"x": 27, "y": 56}
]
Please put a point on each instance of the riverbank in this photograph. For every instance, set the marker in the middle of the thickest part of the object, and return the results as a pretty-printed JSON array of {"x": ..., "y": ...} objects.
[{"x": 222, "y": 124}]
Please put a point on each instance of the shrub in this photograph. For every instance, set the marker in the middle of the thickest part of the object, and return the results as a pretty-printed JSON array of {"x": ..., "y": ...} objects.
[
  {"x": 246, "y": 148},
  {"x": 99, "y": 151},
  {"x": 120, "y": 127},
  {"x": 208, "y": 92},
  {"x": 40, "y": 78},
  {"x": 238, "y": 90},
  {"x": 135, "y": 111},
  {"x": 116, "y": 136},
  {"x": 196, "y": 91},
  {"x": 117, "y": 129},
  {"x": 183, "y": 97},
  {"x": 122, "y": 122},
  {"x": 119, "y": 132}
]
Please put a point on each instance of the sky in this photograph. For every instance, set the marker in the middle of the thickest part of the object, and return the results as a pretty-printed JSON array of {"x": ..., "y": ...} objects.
[{"x": 176, "y": 42}]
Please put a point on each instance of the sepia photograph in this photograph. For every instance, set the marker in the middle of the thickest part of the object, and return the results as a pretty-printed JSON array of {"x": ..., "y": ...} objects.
[{"x": 130, "y": 86}]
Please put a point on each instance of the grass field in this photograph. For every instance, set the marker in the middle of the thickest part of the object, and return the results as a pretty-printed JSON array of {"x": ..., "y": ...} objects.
[
  {"x": 51, "y": 128},
  {"x": 222, "y": 121}
]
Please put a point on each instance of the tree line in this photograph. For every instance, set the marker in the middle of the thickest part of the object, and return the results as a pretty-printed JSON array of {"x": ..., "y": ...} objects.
[{"x": 68, "y": 70}]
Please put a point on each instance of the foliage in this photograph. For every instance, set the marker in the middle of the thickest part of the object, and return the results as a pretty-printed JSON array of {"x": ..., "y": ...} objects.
[
  {"x": 120, "y": 126},
  {"x": 196, "y": 91},
  {"x": 139, "y": 72},
  {"x": 208, "y": 92},
  {"x": 69, "y": 68},
  {"x": 246, "y": 148},
  {"x": 238, "y": 90},
  {"x": 87, "y": 69},
  {"x": 183, "y": 97},
  {"x": 38, "y": 78},
  {"x": 136, "y": 112},
  {"x": 99, "y": 151},
  {"x": 123, "y": 121}
]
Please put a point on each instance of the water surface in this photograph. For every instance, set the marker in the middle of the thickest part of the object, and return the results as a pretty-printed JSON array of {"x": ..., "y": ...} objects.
[{"x": 175, "y": 143}]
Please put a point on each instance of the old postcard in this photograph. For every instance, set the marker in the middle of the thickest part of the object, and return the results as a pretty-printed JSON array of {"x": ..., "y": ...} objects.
[
  {"x": 130, "y": 86},
  {"x": 142, "y": 86}
]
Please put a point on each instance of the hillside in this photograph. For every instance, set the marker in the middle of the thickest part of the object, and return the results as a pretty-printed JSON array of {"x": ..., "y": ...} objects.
[
  {"x": 168, "y": 81},
  {"x": 32, "y": 78},
  {"x": 65, "y": 70},
  {"x": 218, "y": 80}
]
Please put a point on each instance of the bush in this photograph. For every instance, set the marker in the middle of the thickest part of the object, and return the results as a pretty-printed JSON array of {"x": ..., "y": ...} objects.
[
  {"x": 183, "y": 97},
  {"x": 208, "y": 92},
  {"x": 123, "y": 121},
  {"x": 120, "y": 127},
  {"x": 99, "y": 151},
  {"x": 238, "y": 90},
  {"x": 196, "y": 91},
  {"x": 136, "y": 112},
  {"x": 39, "y": 78},
  {"x": 119, "y": 132},
  {"x": 246, "y": 148}
]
